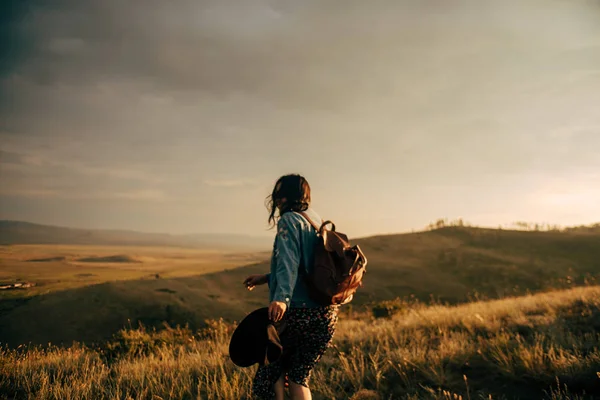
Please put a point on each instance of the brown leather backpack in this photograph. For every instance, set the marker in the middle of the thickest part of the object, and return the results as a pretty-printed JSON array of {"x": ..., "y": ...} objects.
[{"x": 338, "y": 267}]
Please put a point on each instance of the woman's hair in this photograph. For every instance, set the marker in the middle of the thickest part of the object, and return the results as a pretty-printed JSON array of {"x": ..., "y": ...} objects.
[{"x": 295, "y": 189}]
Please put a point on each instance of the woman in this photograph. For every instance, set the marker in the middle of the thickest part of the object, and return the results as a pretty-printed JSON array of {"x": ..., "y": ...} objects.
[{"x": 309, "y": 325}]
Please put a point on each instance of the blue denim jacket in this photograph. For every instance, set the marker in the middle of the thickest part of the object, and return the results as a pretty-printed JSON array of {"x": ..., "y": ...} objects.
[{"x": 292, "y": 251}]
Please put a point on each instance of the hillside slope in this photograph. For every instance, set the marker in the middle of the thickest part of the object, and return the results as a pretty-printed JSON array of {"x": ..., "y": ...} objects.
[
  {"x": 18, "y": 232},
  {"x": 450, "y": 264}
]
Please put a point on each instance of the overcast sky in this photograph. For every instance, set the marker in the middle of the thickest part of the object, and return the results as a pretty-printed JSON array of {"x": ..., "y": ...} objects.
[{"x": 178, "y": 116}]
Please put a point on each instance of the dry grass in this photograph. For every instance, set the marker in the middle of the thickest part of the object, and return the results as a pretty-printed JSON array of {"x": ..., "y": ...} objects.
[{"x": 539, "y": 346}]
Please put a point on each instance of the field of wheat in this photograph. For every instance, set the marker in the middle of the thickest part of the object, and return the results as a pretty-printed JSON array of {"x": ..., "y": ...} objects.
[{"x": 543, "y": 346}]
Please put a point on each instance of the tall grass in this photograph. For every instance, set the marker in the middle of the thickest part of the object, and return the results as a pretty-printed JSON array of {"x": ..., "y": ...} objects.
[{"x": 544, "y": 346}]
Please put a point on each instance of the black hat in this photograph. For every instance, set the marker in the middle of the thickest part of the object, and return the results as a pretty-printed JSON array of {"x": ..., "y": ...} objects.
[{"x": 256, "y": 340}]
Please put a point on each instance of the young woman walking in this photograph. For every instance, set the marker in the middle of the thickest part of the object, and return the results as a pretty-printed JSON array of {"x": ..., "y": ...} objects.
[{"x": 309, "y": 326}]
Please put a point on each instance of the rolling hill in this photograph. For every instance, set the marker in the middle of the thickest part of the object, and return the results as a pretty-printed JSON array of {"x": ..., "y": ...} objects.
[
  {"x": 451, "y": 265},
  {"x": 19, "y": 232}
]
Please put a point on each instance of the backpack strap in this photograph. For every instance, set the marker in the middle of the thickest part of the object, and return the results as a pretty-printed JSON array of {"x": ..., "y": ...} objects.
[
  {"x": 317, "y": 228},
  {"x": 323, "y": 223}
]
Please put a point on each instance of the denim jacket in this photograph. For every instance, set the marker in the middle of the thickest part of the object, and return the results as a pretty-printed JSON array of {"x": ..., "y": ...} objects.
[{"x": 292, "y": 257}]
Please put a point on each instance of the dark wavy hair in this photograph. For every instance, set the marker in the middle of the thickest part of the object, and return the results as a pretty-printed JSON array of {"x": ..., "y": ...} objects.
[{"x": 295, "y": 189}]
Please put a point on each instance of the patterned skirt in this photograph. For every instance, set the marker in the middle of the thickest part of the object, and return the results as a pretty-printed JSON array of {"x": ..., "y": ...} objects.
[{"x": 307, "y": 336}]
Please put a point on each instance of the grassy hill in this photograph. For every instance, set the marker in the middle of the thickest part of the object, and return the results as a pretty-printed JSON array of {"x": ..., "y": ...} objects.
[
  {"x": 543, "y": 346},
  {"x": 451, "y": 264},
  {"x": 455, "y": 262}
]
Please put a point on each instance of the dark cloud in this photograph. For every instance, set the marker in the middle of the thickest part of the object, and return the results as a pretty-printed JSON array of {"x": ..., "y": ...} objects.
[
  {"x": 15, "y": 42},
  {"x": 314, "y": 56},
  {"x": 7, "y": 157}
]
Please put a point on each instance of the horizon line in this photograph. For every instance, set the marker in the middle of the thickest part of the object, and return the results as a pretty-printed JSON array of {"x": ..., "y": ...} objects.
[{"x": 438, "y": 224}]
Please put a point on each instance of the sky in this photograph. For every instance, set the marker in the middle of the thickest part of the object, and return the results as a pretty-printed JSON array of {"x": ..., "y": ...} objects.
[{"x": 179, "y": 116}]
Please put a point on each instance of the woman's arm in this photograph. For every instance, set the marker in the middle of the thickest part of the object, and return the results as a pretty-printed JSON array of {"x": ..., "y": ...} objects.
[
  {"x": 254, "y": 280},
  {"x": 287, "y": 253}
]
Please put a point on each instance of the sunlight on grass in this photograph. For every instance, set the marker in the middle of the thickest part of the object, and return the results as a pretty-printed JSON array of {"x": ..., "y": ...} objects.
[{"x": 539, "y": 346}]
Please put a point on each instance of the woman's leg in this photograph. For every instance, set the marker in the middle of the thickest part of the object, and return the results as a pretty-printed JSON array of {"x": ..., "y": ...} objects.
[
  {"x": 279, "y": 388},
  {"x": 299, "y": 392},
  {"x": 316, "y": 327},
  {"x": 265, "y": 383}
]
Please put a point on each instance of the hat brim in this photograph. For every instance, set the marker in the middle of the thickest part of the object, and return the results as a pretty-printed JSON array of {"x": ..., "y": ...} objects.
[{"x": 249, "y": 342}]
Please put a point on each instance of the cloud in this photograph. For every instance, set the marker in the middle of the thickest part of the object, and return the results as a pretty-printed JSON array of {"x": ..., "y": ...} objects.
[
  {"x": 43, "y": 164},
  {"x": 7, "y": 157},
  {"x": 143, "y": 195},
  {"x": 96, "y": 195},
  {"x": 38, "y": 176},
  {"x": 309, "y": 56},
  {"x": 156, "y": 101},
  {"x": 29, "y": 192},
  {"x": 228, "y": 183}
]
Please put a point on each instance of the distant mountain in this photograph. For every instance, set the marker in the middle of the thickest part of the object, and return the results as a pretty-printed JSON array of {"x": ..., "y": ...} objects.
[{"x": 19, "y": 232}]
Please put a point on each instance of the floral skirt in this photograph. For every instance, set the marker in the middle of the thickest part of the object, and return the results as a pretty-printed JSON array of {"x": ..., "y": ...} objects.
[{"x": 307, "y": 336}]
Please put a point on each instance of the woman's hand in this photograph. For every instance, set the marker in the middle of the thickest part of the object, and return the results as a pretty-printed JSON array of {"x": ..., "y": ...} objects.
[
  {"x": 276, "y": 310},
  {"x": 254, "y": 280}
]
